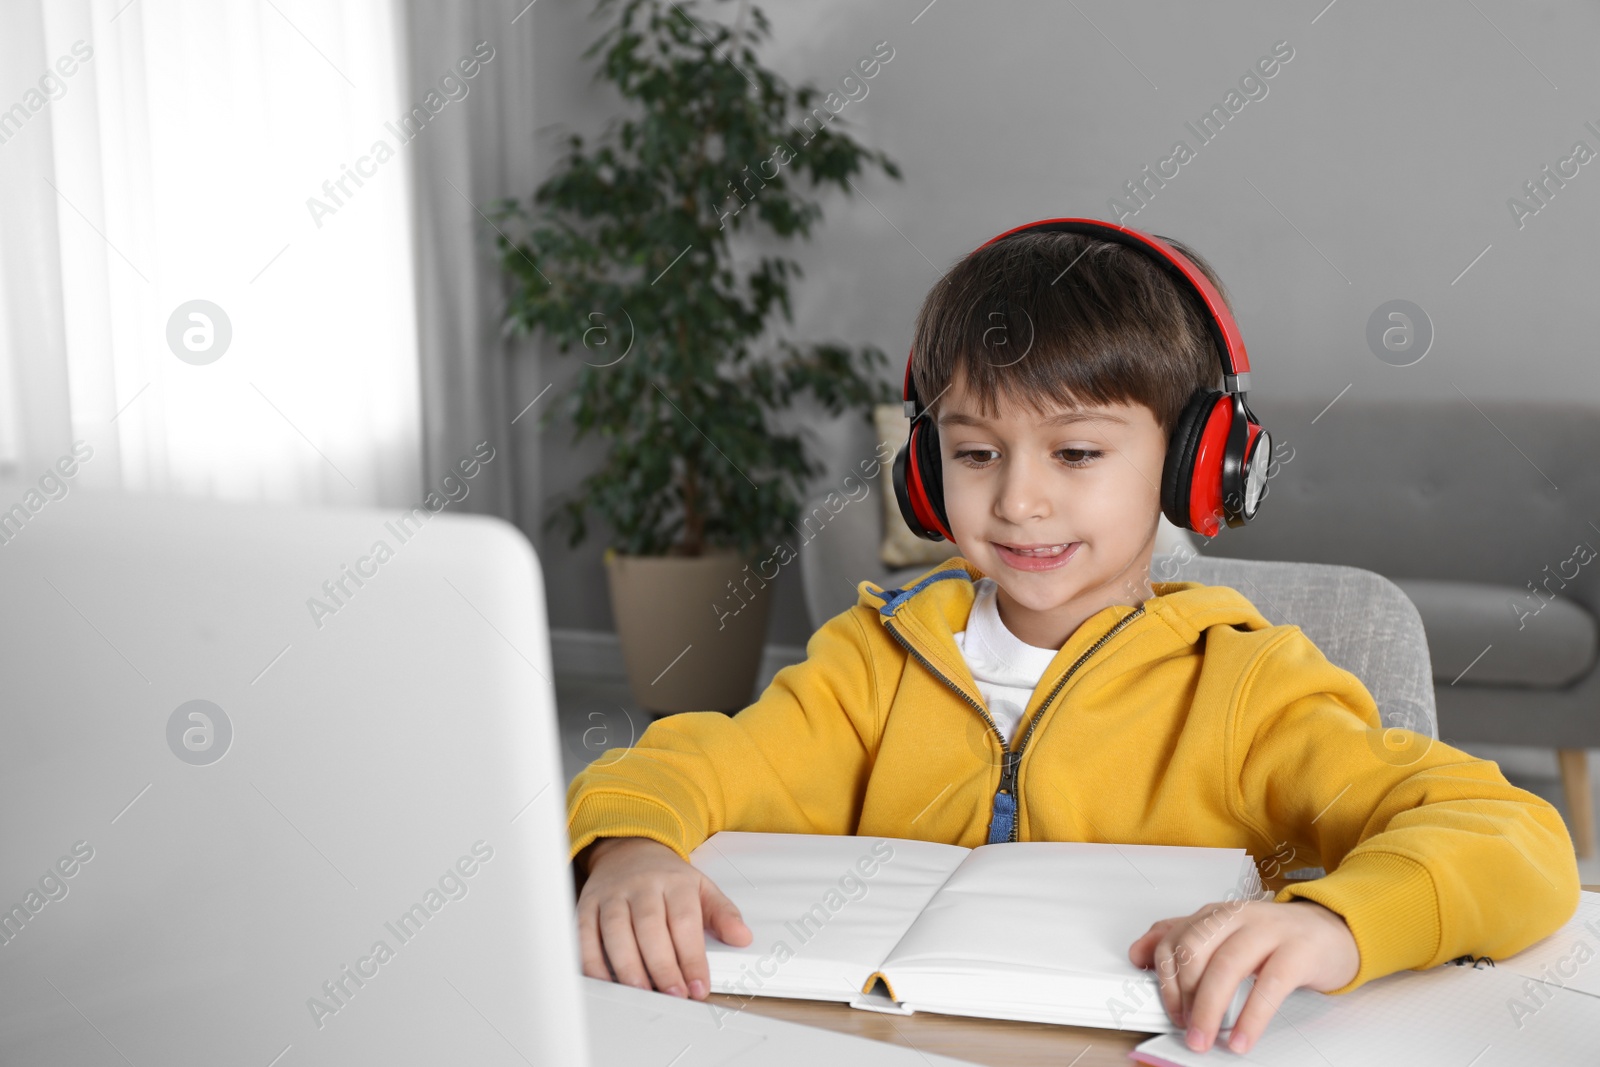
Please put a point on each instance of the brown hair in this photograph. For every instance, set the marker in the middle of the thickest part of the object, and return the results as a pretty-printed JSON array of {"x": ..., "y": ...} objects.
[{"x": 1063, "y": 317}]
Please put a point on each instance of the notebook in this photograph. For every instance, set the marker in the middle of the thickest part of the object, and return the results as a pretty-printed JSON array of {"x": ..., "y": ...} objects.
[
  {"x": 1037, "y": 931},
  {"x": 1540, "y": 1006}
]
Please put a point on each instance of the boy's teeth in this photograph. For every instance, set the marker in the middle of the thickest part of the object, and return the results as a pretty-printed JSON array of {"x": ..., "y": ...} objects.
[{"x": 1056, "y": 551}]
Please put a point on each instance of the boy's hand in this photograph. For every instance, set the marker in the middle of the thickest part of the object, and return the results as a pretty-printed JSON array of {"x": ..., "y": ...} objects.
[
  {"x": 646, "y": 903},
  {"x": 1200, "y": 959}
]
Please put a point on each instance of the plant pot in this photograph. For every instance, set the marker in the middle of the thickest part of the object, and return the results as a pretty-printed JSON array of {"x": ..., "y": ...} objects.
[{"x": 688, "y": 642}]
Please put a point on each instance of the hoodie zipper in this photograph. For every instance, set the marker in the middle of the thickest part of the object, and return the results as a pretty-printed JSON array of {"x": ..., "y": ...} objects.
[
  {"x": 1038, "y": 715},
  {"x": 1004, "y": 826}
]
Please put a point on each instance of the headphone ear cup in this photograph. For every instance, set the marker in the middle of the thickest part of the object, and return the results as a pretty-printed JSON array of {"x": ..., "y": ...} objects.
[
  {"x": 902, "y": 487},
  {"x": 912, "y": 480},
  {"x": 1177, "y": 476}
]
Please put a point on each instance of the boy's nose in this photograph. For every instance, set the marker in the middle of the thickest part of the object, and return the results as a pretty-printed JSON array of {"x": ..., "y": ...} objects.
[{"x": 1022, "y": 499}]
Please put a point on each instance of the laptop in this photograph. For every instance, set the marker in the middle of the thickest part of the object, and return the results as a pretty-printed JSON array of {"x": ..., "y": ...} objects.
[{"x": 281, "y": 786}]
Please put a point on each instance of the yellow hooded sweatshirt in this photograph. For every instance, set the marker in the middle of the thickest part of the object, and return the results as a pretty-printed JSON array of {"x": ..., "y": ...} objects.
[{"x": 1189, "y": 720}]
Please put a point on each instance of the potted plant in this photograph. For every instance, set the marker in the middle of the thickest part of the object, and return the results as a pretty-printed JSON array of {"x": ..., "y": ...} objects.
[{"x": 624, "y": 253}]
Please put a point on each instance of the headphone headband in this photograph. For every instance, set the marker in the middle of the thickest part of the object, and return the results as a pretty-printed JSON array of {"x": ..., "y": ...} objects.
[{"x": 1219, "y": 323}]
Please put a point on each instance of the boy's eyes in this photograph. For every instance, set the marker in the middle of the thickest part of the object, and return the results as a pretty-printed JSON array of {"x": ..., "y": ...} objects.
[{"x": 1076, "y": 457}]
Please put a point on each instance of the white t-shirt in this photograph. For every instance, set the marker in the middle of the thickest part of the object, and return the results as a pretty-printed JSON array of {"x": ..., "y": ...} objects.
[{"x": 1006, "y": 669}]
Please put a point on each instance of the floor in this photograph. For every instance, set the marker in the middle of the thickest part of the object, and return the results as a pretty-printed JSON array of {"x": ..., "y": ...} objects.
[{"x": 599, "y": 713}]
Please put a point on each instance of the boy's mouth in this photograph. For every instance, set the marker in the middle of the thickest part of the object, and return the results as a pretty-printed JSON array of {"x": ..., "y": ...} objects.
[
  {"x": 1036, "y": 557},
  {"x": 1041, "y": 549}
]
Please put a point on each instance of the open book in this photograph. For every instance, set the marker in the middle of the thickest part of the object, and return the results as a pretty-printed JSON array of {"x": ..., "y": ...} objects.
[
  {"x": 1541, "y": 1005},
  {"x": 1029, "y": 930}
]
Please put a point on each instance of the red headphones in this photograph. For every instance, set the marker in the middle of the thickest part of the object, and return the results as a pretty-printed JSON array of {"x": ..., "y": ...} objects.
[{"x": 1216, "y": 465}]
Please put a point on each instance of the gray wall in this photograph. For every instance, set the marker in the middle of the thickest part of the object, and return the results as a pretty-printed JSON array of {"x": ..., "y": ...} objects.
[{"x": 1378, "y": 166}]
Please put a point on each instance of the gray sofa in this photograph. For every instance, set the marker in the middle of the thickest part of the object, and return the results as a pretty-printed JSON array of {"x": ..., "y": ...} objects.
[{"x": 1478, "y": 510}]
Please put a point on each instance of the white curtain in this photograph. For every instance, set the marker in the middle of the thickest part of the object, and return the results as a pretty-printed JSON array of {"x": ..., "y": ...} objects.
[
  {"x": 478, "y": 384},
  {"x": 156, "y": 153}
]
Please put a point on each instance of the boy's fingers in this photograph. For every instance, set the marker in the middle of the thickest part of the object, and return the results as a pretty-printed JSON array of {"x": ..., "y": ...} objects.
[
  {"x": 1230, "y": 964},
  {"x": 1169, "y": 958},
  {"x": 1143, "y": 948},
  {"x": 1193, "y": 970},
  {"x": 655, "y": 943},
  {"x": 616, "y": 929},
  {"x": 722, "y": 916},
  {"x": 1207, "y": 932},
  {"x": 1271, "y": 986},
  {"x": 594, "y": 964},
  {"x": 686, "y": 923}
]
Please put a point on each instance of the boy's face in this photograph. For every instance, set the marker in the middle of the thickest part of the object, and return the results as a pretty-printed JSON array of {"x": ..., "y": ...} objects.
[{"x": 1094, "y": 484}]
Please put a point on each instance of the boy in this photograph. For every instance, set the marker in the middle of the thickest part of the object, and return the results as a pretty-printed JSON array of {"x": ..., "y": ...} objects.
[{"x": 1063, "y": 682}]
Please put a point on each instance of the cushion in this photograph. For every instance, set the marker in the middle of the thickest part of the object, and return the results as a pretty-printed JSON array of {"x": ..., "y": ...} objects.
[
  {"x": 901, "y": 547},
  {"x": 1501, "y": 635}
]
